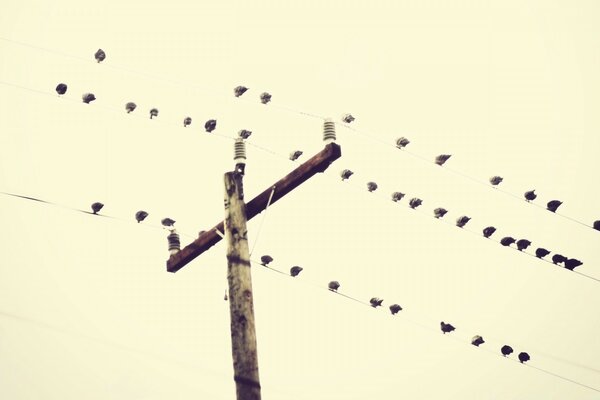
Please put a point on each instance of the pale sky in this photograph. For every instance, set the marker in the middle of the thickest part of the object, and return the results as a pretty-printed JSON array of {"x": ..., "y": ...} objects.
[{"x": 509, "y": 88}]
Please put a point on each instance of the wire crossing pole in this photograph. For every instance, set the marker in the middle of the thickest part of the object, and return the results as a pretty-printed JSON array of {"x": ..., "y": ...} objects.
[{"x": 241, "y": 308}]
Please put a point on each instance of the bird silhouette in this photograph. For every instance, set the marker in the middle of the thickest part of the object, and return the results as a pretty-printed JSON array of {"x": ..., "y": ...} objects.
[
  {"x": 88, "y": 98},
  {"x": 187, "y": 121},
  {"x": 462, "y": 221},
  {"x": 506, "y": 350},
  {"x": 96, "y": 207},
  {"x": 439, "y": 212},
  {"x": 266, "y": 259},
  {"x": 129, "y": 107},
  {"x": 495, "y": 180},
  {"x": 397, "y": 196},
  {"x": 446, "y": 328},
  {"x": 333, "y": 286},
  {"x": 477, "y": 341},
  {"x": 530, "y": 195},
  {"x": 210, "y": 125},
  {"x": 402, "y": 142},
  {"x": 395, "y": 308},
  {"x": 244, "y": 134},
  {"x": 507, "y": 241},
  {"x": 596, "y": 225},
  {"x": 346, "y": 174},
  {"x": 100, "y": 55},
  {"x": 489, "y": 231},
  {"x": 523, "y": 357},
  {"x": 558, "y": 258},
  {"x": 415, "y": 202},
  {"x": 295, "y": 270},
  {"x": 371, "y": 186},
  {"x": 553, "y": 205},
  {"x": 265, "y": 97},
  {"x": 140, "y": 216},
  {"x": 522, "y": 244},
  {"x": 541, "y": 252},
  {"x": 167, "y": 222},
  {"x": 295, "y": 155},
  {"x": 61, "y": 88},
  {"x": 442, "y": 158},
  {"x": 375, "y": 302},
  {"x": 153, "y": 113},
  {"x": 348, "y": 118},
  {"x": 239, "y": 90},
  {"x": 572, "y": 263}
]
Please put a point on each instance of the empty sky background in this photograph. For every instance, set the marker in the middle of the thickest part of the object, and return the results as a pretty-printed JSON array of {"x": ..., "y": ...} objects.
[{"x": 509, "y": 88}]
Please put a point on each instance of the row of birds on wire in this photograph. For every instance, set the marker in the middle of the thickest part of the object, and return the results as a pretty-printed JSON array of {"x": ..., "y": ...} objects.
[{"x": 394, "y": 309}]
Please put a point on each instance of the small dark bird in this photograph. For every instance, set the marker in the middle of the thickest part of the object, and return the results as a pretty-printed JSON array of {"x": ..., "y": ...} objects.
[
  {"x": 495, "y": 180},
  {"x": 558, "y": 258},
  {"x": 439, "y": 212},
  {"x": 375, "y": 302},
  {"x": 210, "y": 125},
  {"x": 507, "y": 241},
  {"x": 371, "y": 186},
  {"x": 100, "y": 55},
  {"x": 394, "y": 308},
  {"x": 442, "y": 158},
  {"x": 506, "y": 350},
  {"x": 553, "y": 205},
  {"x": 446, "y": 328},
  {"x": 596, "y": 225},
  {"x": 462, "y": 221},
  {"x": 295, "y": 155},
  {"x": 239, "y": 90},
  {"x": 88, "y": 98},
  {"x": 348, "y": 118},
  {"x": 541, "y": 252},
  {"x": 61, "y": 88},
  {"x": 167, "y": 222},
  {"x": 522, "y": 244},
  {"x": 402, "y": 142},
  {"x": 524, "y": 357},
  {"x": 530, "y": 195},
  {"x": 244, "y": 134},
  {"x": 346, "y": 174},
  {"x": 489, "y": 231},
  {"x": 397, "y": 196},
  {"x": 265, "y": 97},
  {"x": 572, "y": 263},
  {"x": 97, "y": 207},
  {"x": 477, "y": 340},
  {"x": 140, "y": 216},
  {"x": 295, "y": 270},
  {"x": 266, "y": 259},
  {"x": 187, "y": 122},
  {"x": 129, "y": 107},
  {"x": 415, "y": 202},
  {"x": 153, "y": 113},
  {"x": 333, "y": 286}
]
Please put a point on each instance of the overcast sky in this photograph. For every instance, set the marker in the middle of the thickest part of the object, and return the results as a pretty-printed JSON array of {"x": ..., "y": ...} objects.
[{"x": 508, "y": 88}]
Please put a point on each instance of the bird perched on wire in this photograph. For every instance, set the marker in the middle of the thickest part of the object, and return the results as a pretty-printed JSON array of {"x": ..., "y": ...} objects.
[
  {"x": 375, "y": 302},
  {"x": 523, "y": 357},
  {"x": 522, "y": 244},
  {"x": 153, "y": 113},
  {"x": 167, "y": 222},
  {"x": 88, "y": 98},
  {"x": 239, "y": 90},
  {"x": 553, "y": 205},
  {"x": 402, "y": 142},
  {"x": 96, "y": 207},
  {"x": 530, "y": 195},
  {"x": 541, "y": 252},
  {"x": 187, "y": 121},
  {"x": 446, "y": 328},
  {"x": 295, "y": 270},
  {"x": 100, "y": 55},
  {"x": 61, "y": 88},
  {"x": 371, "y": 186},
  {"x": 129, "y": 107},
  {"x": 210, "y": 125},
  {"x": 507, "y": 240},
  {"x": 333, "y": 286},
  {"x": 506, "y": 350},
  {"x": 477, "y": 340},
  {"x": 295, "y": 155},
  {"x": 558, "y": 258},
  {"x": 572, "y": 263},
  {"x": 244, "y": 134},
  {"x": 345, "y": 174},
  {"x": 397, "y": 196},
  {"x": 415, "y": 202},
  {"x": 489, "y": 231},
  {"x": 442, "y": 158},
  {"x": 265, "y": 260},
  {"x": 348, "y": 118},
  {"x": 495, "y": 180},
  {"x": 462, "y": 221},
  {"x": 395, "y": 308},
  {"x": 596, "y": 225},
  {"x": 439, "y": 212},
  {"x": 140, "y": 216},
  {"x": 265, "y": 97}
]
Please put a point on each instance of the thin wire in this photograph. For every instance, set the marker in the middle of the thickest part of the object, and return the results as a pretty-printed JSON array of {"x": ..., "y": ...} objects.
[{"x": 262, "y": 221}]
